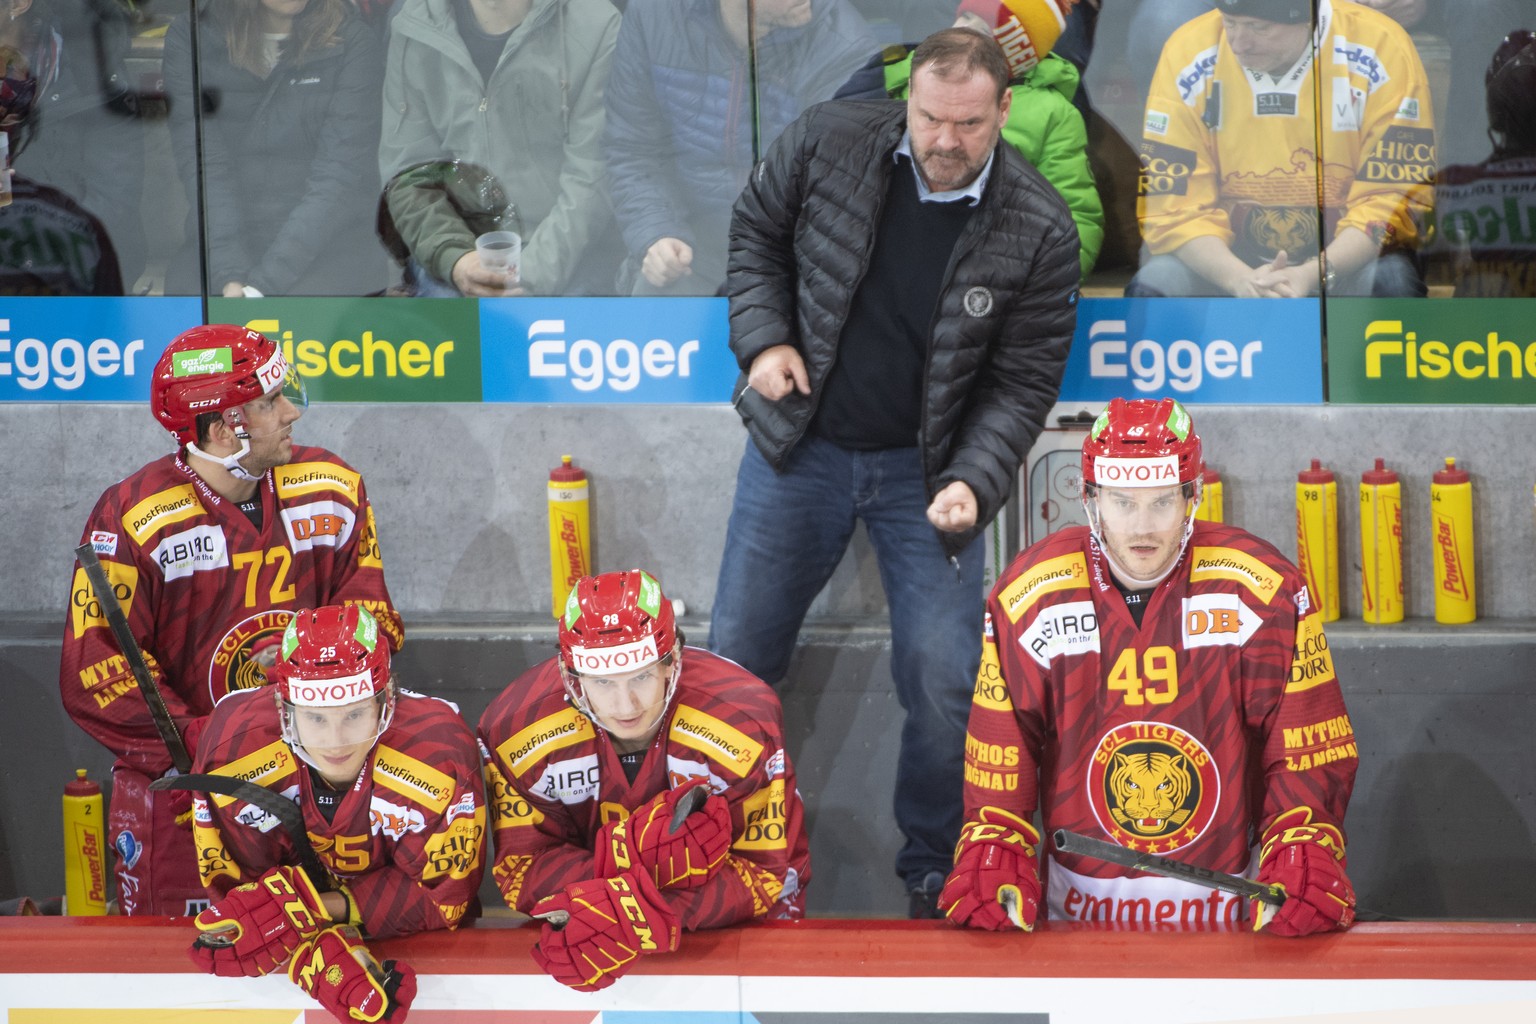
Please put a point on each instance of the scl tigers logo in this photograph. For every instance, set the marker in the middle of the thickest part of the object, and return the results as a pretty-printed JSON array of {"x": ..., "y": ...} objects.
[
  {"x": 233, "y": 667},
  {"x": 1283, "y": 227},
  {"x": 1151, "y": 789},
  {"x": 1153, "y": 786}
]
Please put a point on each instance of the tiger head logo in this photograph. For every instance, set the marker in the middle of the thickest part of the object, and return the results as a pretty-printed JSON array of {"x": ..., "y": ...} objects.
[
  {"x": 1149, "y": 790},
  {"x": 1153, "y": 787},
  {"x": 1291, "y": 228}
]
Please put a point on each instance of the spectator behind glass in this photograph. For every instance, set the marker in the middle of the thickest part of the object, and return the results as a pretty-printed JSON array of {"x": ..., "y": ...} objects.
[
  {"x": 1043, "y": 124},
  {"x": 684, "y": 127},
  {"x": 290, "y": 117},
  {"x": 1484, "y": 240},
  {"x": 515, "y": 86},
  {"x": 1230, "y": 183},
  {"x": 1470, "y": 28},
  {"x": 49, "y": 244},
  {"x": 93, "y": 149}
]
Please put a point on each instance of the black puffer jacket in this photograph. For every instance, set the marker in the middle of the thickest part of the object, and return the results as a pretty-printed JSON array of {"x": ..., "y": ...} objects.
[{"x": 801, "y": 236}]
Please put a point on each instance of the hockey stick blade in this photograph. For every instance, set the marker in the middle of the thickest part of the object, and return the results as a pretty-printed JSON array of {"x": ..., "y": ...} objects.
[
  {"x": 692, "y": 800},
  {"x": 177, "y": 747},
  {"x": 1087, "y": 846},
  {"x": 280, "y": 807}
]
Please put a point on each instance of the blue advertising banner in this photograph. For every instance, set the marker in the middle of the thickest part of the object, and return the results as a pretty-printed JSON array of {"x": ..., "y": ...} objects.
[
  {"x": 648, "y": 350},
  {"x": 89, "y": 349},
  {"x": 1230, "y": 351}
]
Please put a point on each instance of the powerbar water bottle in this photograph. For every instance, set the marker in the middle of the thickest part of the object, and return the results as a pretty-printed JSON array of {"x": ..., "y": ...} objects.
[
  {"x": 1381, "y": 545},
  {"x": 1317, "y": 536},
  {"x": 1450, "y": 511}
]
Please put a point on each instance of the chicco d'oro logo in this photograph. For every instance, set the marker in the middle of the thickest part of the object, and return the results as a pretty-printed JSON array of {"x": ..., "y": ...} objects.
[
  {"x": 978, "y": 302},
  {"x": 1153, "y": 787}
]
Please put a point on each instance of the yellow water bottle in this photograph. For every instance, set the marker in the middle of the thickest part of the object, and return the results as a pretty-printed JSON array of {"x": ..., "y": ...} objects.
[
  {"x": 1450, "y": 510},
  {"x": 1210, "y": 503},
  {"x": 1317, "y": 536},
  {"x": 570, "y": 537},
  {"x": 85, "y": 849},
  {"x": 1381, "y": 545}
]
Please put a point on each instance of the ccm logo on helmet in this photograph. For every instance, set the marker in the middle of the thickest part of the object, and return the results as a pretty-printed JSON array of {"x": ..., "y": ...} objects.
[
  {"x": 330, "y": 693},
  {"x": 622, "y": 658},
  {"x": 1157, "y": 472}
]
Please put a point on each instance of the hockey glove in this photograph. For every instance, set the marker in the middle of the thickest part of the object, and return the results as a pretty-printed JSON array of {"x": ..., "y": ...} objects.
[
  {"x": 995, "y": 884},
  {"x": 254, "y": 928},
  {"x": 337, "y": 970},
  {"x": 1307, "y": 861},
  {"x": 594, "y": 930},
  {"x": 684, "y": 857}
]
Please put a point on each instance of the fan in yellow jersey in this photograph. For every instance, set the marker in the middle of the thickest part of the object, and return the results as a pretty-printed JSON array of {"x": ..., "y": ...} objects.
[{"x": 1274, "y": 129}]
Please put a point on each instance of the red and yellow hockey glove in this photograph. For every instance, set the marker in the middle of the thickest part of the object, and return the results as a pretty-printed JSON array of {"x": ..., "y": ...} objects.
[
  {"x": 995, "y": 883},
  {"x": 1307, "y": 861},
  {"x": 682, "y": 859},
  {"x": 594, "y": 930},
  {"x": 338, "y": 971},
  {"x": 254, "y": 928}
]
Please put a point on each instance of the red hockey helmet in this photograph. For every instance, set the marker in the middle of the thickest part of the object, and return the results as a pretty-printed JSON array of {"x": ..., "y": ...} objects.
[
  {"x": 1142, "y": 443},
  {"x": 214, "y": 368},
  {"x": 331, "y": 656},
  {"x": 616, "y": 622}
]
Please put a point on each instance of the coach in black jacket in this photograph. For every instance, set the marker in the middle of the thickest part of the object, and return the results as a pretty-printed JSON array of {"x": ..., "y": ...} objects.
[{"x": 903, "y": 292}]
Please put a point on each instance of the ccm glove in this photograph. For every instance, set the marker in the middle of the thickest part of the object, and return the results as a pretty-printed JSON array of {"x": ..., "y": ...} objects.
[
  {"x": 1307, "y": 861},
  {"x": 682, "y": 859},
  {"x": 995, "y": 884},
  {"x": 254, "y": 928},
  {"x": 338, "y": 971},
  {"x": 594, "y": 930}
]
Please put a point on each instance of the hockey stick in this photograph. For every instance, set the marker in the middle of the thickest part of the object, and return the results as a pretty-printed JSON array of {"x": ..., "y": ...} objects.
[
  {"x": 280, "y": 807},
  {"x": 1271, "y": 895},
  {"x": 1072, "y": 842},
  {"x": 177, "y": 747},
  {"x": 692, "y": 801}
]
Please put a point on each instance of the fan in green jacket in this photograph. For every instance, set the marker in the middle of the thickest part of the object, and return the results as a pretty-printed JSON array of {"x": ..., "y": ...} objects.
[{"x": 1042, "y": 123}]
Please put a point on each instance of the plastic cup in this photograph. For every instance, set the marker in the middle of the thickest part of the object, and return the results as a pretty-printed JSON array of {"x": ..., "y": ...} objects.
[{"x": 500, "y": 250}]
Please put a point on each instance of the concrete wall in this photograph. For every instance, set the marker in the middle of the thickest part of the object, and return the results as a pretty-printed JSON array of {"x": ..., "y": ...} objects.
[
  {"x": 459, "y": 492},
  {"x": 1442, "y": 821}
]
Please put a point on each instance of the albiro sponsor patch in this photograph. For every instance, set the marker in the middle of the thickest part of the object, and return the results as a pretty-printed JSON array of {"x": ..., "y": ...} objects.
[
  {"x": 1071, "y": 628},
  {"x": 571, "y": 781},
  {"x": 199, "y": 549}
]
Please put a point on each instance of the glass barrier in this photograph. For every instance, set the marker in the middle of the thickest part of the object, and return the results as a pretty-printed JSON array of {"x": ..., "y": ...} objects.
[{"x": 283, "y": 148}]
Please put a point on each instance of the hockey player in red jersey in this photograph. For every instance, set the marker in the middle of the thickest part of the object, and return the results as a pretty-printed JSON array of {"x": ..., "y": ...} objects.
[
  {"x": 1161, "y": 683},
  {"x": 594, "y": 756},
  {"x": 390, "y": 789},
  {"x": 210, "y": 550}
]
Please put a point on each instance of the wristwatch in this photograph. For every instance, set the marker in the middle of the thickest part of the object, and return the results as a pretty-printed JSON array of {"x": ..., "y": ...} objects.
[{"x": 1330, "y": 275}]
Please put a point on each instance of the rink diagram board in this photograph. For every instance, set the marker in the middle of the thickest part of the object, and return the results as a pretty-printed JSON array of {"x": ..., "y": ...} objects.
[{"x": 83, "y": 971}]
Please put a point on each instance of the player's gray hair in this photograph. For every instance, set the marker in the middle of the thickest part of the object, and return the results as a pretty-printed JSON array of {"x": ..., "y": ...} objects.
[{"x": 960, "y": 53}]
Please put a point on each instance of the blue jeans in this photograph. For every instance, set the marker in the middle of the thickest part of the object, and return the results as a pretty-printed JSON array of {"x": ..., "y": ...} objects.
[
  {"x": 1391, "y": 274},
  {"x": 786, "y": 535}
]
